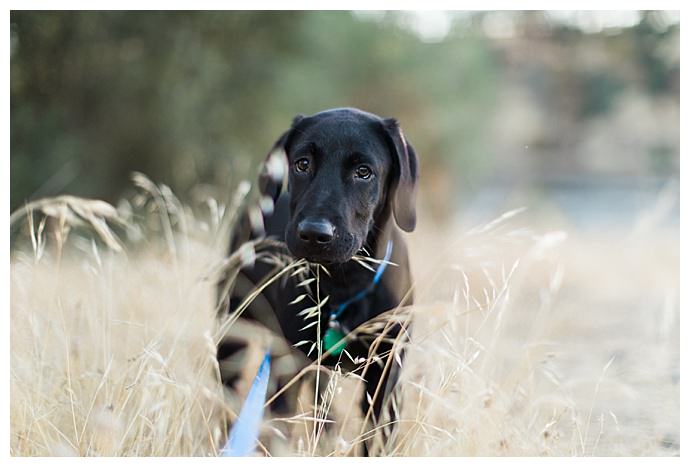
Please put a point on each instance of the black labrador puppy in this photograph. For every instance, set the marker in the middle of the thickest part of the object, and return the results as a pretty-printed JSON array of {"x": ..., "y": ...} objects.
[{"x": 351, "y": 184}]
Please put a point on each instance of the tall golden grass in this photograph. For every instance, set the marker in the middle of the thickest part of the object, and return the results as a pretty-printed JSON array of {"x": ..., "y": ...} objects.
[{"x": 522, "y": 343}]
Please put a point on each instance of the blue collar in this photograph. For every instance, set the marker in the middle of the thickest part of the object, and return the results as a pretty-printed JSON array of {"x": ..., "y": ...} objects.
[{"x": 364, "y": 292}]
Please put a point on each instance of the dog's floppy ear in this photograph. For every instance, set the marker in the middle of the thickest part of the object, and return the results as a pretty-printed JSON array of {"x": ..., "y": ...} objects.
[
  {"x": 274, "y": 169},
  {"x": 403, "y": 189}
]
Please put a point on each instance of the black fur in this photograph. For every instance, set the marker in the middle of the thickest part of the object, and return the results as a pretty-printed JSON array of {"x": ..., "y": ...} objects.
[{"x": 359, "y": 208}]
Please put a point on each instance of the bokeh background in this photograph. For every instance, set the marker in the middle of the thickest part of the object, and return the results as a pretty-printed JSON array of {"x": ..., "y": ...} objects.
[
  {"x": 554, "y": 331},
  {"x": 572, "y": 113}
]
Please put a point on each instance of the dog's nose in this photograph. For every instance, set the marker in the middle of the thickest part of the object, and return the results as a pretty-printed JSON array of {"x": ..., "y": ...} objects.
[{"x": 315, "y": 231}]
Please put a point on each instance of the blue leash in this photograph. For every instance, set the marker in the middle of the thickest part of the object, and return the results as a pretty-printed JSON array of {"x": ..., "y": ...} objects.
[{"x": 245, "y": 431}]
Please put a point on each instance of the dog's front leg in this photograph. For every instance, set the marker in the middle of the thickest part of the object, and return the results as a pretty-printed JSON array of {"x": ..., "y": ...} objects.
[{"x": 381, "y": 377}]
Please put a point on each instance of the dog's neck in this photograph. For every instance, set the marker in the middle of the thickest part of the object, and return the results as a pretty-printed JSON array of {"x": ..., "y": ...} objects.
[{"x": 347, "y": 279}]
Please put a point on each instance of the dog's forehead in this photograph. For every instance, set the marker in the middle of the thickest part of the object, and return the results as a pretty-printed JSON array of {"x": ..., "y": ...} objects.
[{"x": 343, "y": 132}]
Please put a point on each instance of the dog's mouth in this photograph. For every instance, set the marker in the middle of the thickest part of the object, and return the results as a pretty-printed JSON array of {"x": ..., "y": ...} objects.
[
  {"x": 337, "y": 253},
  {"x": 325, "y": 259}
]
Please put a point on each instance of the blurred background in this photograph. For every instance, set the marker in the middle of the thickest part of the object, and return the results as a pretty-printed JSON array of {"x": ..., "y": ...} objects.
[{"x": 574, "y": 114}]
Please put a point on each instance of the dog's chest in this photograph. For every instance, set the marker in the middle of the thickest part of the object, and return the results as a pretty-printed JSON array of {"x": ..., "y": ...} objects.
[{"x": 300, "y": 325}]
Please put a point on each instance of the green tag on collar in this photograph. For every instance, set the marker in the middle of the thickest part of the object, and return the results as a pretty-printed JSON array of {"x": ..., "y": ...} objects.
[{"x": 332, "y": 341}]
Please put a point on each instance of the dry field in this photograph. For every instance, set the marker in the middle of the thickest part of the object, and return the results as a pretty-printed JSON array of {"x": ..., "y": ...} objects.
[{"x": 525, "y": 341}]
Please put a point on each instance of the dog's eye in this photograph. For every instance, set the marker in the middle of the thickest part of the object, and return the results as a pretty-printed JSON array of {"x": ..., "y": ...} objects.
[
  {"x": 363, "y": 172},
  {"x": 302, "y": 165}
]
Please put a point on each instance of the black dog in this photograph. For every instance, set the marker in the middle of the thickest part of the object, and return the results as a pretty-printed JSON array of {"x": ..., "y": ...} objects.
[{"x": 351, "y": 183}]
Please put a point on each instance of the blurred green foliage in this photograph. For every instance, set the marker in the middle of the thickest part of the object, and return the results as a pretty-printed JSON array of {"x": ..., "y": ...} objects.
[{"x": 195, "y": 99}]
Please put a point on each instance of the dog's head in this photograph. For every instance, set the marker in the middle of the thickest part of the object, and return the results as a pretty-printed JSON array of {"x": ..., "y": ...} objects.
[{"x": 347, "y": 170}]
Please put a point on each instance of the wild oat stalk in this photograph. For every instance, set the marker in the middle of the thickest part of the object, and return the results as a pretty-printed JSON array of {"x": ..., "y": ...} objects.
[{"x": 507, "y": 339}]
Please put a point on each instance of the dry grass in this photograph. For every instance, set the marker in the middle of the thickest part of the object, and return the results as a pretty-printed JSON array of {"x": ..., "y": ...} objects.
[{"x": 522, "y": 344}]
